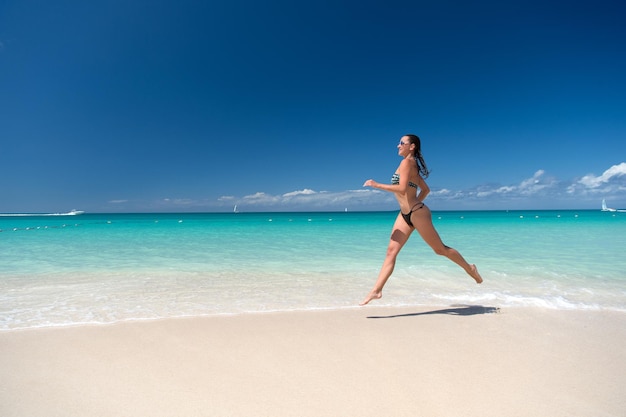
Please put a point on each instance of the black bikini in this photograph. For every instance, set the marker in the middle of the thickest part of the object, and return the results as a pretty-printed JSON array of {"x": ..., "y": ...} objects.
[
  {"x": 395, "y": 179},
  {"x": 407, "y": 217}
]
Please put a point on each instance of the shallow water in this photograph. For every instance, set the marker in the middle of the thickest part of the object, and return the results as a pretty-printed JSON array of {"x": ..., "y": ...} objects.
[{"x": 103, "y": 268}]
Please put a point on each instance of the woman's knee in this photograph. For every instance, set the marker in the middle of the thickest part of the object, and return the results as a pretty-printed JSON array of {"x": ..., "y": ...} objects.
[
  {"x": 441, "y": 250},
  {"x": 392, "y": 252}
]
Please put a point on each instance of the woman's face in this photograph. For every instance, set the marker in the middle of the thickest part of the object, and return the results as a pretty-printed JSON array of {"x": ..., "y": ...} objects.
[{"x": 404, "y": 147}]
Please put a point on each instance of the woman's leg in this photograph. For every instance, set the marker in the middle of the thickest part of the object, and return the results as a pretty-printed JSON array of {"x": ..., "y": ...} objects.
[
  {"x": 399, "y": 235},
  {"x": 422, "y": 220}
]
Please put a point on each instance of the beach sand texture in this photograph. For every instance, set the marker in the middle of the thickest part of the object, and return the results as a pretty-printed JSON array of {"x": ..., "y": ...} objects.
[{"x": 371, "y": 361}]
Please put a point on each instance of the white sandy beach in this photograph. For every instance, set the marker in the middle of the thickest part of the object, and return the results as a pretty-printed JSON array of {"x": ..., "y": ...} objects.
[{"x": 370, "y": 361}]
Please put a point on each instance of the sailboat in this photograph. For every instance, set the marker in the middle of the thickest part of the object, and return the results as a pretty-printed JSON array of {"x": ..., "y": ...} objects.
[
  {"x": 235, "y": 209},
  {"x": 605, "y": 208}
]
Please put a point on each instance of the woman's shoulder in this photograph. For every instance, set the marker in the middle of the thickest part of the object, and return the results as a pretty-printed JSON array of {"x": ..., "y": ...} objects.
[{"x": 408, "y": 164}]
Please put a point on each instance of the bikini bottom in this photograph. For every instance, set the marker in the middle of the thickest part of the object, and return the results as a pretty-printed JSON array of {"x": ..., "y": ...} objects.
[{"x": 407, "y": 217}]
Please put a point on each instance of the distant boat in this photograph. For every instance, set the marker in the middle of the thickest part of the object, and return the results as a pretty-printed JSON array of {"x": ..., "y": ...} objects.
[
  {"x": 69, "y": 213},
  {"x": 605, "y": 208},
  {"x": 235, "y": 209}
]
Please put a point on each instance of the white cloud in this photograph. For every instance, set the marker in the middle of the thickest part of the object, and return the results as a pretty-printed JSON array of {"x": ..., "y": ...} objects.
[
  {"x": 442, "y": 192},
  {"x": 540, "y": 190},
  {"x": 505, "y": 189},
  {"x": 306, "y": 191},
  {"x": 261, "y": 199},
  {"x": 366, "y": 198},
  {"x": 537, "y": 191},
  {"x": 257, "y": 195},
  {"x": 180, "y": 201},
  {"x": 537, "y": 184},
  {"x": 591, "y": 181},
  {"x": 307, "y": 199}
]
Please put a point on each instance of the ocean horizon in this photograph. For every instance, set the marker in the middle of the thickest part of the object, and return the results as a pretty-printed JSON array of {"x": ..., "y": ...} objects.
[{"x": 100, "y": 268}]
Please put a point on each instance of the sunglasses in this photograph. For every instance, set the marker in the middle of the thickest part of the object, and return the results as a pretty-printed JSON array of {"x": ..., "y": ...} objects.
[{"x": 404, "y": 143}]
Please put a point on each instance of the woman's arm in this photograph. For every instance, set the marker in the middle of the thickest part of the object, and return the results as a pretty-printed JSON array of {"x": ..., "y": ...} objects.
[
  {"x": 424, "y": 189},
  {"x": 400, "y": 188}
]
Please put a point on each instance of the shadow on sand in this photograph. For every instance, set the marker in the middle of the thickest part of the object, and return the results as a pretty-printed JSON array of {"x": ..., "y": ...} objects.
[{"x": 454, "y": 310}]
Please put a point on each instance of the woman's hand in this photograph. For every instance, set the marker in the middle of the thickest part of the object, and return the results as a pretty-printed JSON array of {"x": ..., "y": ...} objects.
[{"x": 369, "y": 183}]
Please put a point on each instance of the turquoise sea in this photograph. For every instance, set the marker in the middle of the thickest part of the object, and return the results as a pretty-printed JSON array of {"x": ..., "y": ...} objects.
[{"x": 105, "y": 268}]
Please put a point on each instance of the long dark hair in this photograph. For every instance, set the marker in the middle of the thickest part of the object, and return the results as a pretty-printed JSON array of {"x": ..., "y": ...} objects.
[{"x": 417, "y": 154}]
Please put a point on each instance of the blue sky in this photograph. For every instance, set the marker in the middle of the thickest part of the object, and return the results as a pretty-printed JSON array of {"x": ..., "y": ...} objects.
[{"x": 141, "y": 106}]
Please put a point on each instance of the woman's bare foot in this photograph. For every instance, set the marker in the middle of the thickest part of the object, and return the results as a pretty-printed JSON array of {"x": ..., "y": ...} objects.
[
  {"x": 371, "y": 296},
  {"x": 474, "y": 274}
]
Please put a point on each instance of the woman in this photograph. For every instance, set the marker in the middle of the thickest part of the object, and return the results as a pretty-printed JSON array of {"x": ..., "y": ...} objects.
[{"x": 414, "y": 214}]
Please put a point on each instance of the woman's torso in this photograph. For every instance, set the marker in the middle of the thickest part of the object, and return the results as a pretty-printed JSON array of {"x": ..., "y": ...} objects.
[{"x": 407, "y": 199}]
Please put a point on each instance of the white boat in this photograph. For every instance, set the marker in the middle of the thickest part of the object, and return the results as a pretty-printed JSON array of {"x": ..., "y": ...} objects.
[
  {"x": 69, "y": 213},
  {"x": 605, "y": 208}
]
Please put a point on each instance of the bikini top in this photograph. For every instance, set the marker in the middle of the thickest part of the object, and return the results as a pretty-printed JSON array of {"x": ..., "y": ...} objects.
[{"x": 395, "y": 179}]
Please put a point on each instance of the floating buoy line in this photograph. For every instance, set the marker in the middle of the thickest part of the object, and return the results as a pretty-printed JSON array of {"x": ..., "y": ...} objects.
[
  {"x": 63, "y": 226},
  {"x": 28, "y": 228},
  {"x": 109, "y": 222}
]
